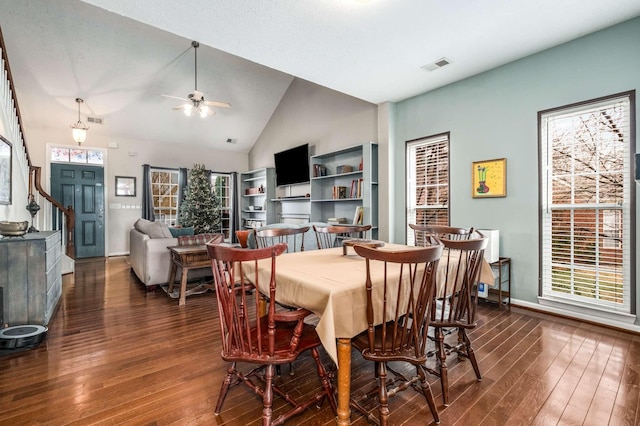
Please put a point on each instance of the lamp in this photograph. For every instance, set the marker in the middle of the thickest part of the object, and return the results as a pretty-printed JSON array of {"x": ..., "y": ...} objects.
[{"x": 79, "y": 129}]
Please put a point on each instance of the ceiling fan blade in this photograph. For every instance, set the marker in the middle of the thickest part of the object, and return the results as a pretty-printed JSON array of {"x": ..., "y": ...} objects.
[
  {"x": 174, "y": 97},
  {"x": 218, "y": 104},
  {"x": 179, "y": 107}
]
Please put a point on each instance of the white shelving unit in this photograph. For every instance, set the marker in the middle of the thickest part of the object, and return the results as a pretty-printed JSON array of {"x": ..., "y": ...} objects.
[
  {"x": 325, "y": 204},
  {"x": 294, "y": 210},
  {"x": 257, "y": 190}
]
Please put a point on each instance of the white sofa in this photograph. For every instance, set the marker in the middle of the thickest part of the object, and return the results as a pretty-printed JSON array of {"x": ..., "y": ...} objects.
[{"x": 149, "y": 256}]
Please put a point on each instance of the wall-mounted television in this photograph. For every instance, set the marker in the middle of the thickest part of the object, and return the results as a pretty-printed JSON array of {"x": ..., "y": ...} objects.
[{"x": 292, "y": 165}]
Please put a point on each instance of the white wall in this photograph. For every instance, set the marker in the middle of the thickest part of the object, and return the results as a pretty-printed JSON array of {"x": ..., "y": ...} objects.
[
  {"x": 494, "y": 115},
  {"x": 308, "y": 113},
  {"x": 120, "y": 163},
  {"x": 9, "y": 129}
]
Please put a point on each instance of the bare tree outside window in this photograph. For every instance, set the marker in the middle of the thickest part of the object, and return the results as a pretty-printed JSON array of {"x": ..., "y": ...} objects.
[{"x": 585, "y": 179}]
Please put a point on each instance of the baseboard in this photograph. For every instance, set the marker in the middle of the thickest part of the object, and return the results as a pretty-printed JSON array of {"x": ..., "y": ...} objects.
[{"x": 633, "y": 328}]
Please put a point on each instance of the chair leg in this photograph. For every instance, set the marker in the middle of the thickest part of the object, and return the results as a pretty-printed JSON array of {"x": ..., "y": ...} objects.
[
  {"x": 325, "y": 382},
  {"x": 428, "y": 395},
  {"x": 471, "y": 354},
  {"x": 225, "y": 387},
  {"x": 382, "y": 395},
  {"x": 267, "y": 397},
  {"x": 444, "y": 377}
]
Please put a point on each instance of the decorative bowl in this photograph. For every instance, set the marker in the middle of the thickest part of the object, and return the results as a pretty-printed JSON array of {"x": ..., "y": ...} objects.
[{"x": 13, "y": 229}]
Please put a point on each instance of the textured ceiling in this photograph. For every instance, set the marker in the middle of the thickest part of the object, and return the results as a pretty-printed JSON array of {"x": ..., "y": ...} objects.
[
  {"x": 374, "y": 49},
  {"x": 121, "y": 55}
]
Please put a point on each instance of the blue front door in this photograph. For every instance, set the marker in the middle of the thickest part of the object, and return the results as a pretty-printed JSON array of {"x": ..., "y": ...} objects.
[{"x": 83, "y": 188}]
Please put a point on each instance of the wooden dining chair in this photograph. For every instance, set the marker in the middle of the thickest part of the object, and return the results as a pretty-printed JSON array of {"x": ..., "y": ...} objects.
[
  {"x": 332, "y": 235},
  {"x": 293, "y": 237},
  {"x": 422, "y": 233},
  {"x": 398, "y": 322},
  {"x": 276, "y": 338},
  {"x": 456, "y": 302}
]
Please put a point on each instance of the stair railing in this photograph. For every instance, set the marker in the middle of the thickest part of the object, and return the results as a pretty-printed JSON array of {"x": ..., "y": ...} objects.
[{"x": 16, "y": 128}]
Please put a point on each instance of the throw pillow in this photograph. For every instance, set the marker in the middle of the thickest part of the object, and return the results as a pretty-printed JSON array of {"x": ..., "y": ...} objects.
[
  {"x": 153, "y": 229},
  {"x": 178, "y": 232},
  {"x": 141, "y": 224}
]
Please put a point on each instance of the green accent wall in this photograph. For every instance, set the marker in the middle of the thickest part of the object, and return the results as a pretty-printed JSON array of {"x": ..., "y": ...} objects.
[{"x": 494, "y": 115}]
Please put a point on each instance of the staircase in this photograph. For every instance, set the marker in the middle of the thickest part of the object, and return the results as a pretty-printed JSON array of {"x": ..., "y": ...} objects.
[{"x": 46, "y": 213}]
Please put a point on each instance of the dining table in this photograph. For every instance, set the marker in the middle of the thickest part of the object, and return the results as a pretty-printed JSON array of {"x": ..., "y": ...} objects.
[{"x": 331, "y": 284}]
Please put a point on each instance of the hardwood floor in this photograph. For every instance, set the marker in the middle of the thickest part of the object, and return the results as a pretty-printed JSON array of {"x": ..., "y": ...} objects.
[{"x": 117, "y": 354}]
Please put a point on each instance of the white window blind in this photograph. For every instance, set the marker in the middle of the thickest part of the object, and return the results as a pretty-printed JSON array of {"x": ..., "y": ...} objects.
[
  {"x": 586, "y": 209},
  {"x": 427, "y": 182}
]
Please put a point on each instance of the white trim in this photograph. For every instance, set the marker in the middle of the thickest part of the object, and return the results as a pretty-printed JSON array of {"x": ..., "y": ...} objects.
[{"x": 564, "y": 311}]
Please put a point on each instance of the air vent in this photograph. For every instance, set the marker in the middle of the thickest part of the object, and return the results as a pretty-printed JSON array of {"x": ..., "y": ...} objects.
[
  {"x": 437, "y": 64},
  {"x": 233, "y": 141},
  {"x": 95, "y": 120}
]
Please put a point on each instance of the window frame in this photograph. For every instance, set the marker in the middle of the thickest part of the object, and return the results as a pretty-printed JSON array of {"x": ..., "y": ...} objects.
[
  {"x": 229, "y": 208},
  {"x": 440, "y": 138},
  {"x": 627, "y": 310},
  {"x": 172, "y": 219}
]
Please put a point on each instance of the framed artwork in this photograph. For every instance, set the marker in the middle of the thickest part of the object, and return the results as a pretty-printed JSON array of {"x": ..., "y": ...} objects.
[
  {"x": 125, "y": 186},
  {"x": 489, "y": 178},
  {"x": 5, "y": 171}
]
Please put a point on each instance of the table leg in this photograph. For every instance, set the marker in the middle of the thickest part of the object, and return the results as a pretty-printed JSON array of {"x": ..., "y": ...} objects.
[
  {"x": 344, "y": 381},
  {"x": 183, "y": 287},
  {"x": 172, "y": 275},
  {"x": 262, "y": 306}
]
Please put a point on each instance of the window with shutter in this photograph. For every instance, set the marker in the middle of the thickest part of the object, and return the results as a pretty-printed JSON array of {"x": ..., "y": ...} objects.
[
  {"x": 586, "y": 204},
  {"x": 427, "y": 182}
]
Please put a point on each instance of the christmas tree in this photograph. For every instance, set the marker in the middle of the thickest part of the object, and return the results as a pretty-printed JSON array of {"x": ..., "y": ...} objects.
[{"x": 200, "y": 208}]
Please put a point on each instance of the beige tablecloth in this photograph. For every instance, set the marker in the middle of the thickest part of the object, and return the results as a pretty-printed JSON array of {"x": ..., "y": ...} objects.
[{"x": 332, "y": 286}]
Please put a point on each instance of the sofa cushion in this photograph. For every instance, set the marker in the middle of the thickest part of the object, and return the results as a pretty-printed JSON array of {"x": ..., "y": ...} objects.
[
  {"x": 153, "y": 229},
  {"x": 200, "y": 239},
  {"x": 178, "y": 232}
]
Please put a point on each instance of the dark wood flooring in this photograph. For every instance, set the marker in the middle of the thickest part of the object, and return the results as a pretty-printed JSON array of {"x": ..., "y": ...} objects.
[{"x": 117, "y": 354}]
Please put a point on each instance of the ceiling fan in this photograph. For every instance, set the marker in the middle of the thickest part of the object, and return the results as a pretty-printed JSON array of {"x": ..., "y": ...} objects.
[{"x": 195, "y": 102}]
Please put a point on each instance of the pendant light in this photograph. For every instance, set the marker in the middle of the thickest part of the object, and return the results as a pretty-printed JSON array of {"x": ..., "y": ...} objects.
[{"x": 79, "y": 129}]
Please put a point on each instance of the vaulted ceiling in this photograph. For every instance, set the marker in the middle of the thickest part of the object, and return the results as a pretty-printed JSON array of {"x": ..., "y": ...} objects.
[{"x": 121, "y": 55}]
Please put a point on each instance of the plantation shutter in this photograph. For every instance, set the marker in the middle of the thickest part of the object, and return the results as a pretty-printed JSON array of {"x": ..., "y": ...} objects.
[{"x": 427, "y": 182}]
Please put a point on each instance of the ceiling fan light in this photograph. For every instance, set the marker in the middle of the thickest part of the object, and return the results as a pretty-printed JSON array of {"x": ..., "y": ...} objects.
[
  {"x": 204, "y": 110},
  {"x": 188, "y": 110}
]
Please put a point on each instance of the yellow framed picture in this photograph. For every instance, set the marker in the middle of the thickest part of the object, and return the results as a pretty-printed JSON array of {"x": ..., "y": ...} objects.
[{"x": 489, "y": 178}]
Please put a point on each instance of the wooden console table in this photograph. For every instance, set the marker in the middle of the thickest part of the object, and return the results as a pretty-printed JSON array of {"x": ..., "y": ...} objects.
[{"x": 187, "y": 258}]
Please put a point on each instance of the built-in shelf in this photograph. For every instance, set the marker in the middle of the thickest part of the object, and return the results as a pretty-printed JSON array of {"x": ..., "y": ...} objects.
[
  {"x": 360, "y": 183},
  {"x": 263, "y": 181},
  {"x": 284, "y": 200}
]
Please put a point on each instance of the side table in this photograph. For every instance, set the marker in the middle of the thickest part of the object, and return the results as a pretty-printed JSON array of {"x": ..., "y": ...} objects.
[
  {"x": 503, "y": 265},
  {"x": 187, "y": 258}
]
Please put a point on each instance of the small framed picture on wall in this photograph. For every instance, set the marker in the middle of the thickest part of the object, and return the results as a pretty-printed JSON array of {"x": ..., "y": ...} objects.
[
  {"x": 125, "y": 186},
  {"x": 489, "y": 178}
]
